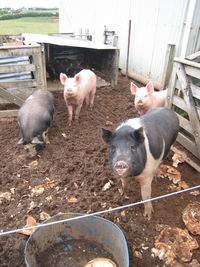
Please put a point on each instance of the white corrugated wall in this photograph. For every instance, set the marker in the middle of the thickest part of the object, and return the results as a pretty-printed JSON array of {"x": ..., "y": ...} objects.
[
  {"x": 194, "y": 37},
  {"x": 154, "y": 25}
]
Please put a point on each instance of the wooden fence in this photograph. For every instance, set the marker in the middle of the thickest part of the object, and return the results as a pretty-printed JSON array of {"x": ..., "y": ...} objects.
[
  {"x": 20, "y": 78},
  {"x": 184, "y": 98}
]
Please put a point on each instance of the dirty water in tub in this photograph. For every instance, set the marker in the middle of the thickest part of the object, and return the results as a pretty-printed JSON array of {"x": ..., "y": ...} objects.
[{"x": 70, "y": 253}]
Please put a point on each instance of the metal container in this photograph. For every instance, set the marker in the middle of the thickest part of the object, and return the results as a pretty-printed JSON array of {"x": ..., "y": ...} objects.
[{"x": 91, "y": 228}]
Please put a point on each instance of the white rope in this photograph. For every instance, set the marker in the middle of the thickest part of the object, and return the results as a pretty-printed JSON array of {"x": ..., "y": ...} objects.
[{"x": 99, "y": 212}]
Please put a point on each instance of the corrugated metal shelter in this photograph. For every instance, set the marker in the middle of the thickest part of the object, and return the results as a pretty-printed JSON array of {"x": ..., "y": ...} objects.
[{"x": 149, "y": 33}]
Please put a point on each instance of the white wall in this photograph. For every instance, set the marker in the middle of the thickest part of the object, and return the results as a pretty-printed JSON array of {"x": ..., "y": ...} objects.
[
  {"x": 194, "y": 37},
  {"x": 155, "y": 24}
]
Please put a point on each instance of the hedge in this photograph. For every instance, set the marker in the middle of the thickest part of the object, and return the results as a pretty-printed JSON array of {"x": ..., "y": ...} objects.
[{"x": 29, "y": 14}]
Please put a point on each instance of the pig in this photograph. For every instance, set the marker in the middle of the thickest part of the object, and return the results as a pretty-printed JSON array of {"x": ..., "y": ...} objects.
[
  {"x": 34, "y": 118},
  {"x": 138, "y": 145},
  {"x": 146, "y": 98},
  {"x": 77, "y": 89}
]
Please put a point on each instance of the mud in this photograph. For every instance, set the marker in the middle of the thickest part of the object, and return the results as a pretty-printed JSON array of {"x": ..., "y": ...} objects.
[{"x": 73, "y": 170}]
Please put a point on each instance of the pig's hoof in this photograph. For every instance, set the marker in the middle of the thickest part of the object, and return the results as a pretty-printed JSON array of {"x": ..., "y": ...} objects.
[
  {"x": 125, "y": 196},
  {"x": 148, "y": 216},
  {"x": 121, "y": 191},
  {"x": 76, "y": 117},
  {"x": 148, "y": 213}
]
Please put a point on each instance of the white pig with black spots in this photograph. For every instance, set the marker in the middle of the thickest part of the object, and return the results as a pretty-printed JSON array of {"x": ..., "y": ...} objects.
[{"x": 138, "y": 146}]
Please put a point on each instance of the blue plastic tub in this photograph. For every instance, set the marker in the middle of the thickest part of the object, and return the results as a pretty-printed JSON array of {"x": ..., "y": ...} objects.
[{"x": 92, "y": 228}]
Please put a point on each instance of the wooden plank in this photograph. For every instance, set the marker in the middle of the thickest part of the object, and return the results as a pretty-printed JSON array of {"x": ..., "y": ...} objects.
[
  {"x": 40, "y": 72},
  {"x": 17, "y": 68},
  {"x": 193, "y": 56},
  {"x": 191, "y": 110},
  {"x": 185, "y": 124},
  {"x": 168, "y": 64},
  {"x": 44, "y": 72},
  {"x": 4, "y": 101},
  {"x": 187, "y": 62},
  {"x": 19, "y": 83},
  {"x": 178, "y": 85},
  {"x": 171, "y": 87},
  {"x": 10, "y": 97},
  {"x": 179, "y": 102},
  {"x": 188, "y": 144},
  {"x": 8, "y": 113},
  {"x": 10, "y": 51},
  {"x": 23, "y": 93},
  {"x": 191, "y": 71},
  {"x": 195, "y": 91}
]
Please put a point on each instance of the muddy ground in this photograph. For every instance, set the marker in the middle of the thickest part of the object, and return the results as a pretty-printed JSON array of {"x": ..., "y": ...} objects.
[{"x": 73, "y": 170}]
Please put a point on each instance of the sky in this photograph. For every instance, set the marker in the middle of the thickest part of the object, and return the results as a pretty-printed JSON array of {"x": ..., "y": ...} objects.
[{"x": 29, "y": 3}]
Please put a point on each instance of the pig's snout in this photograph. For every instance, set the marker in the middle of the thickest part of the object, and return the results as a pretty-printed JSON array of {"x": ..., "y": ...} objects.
[
  {"x": 140, "y": 102},
  {"x": 69, "y": 92},
  {"x": 121, "y": 167}
]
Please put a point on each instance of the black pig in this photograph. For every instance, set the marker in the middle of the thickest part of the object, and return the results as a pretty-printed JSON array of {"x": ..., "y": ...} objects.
[{"x": 34, "y": 118}]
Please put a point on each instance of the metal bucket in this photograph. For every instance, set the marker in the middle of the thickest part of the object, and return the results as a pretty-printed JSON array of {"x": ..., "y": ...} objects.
[{"x": 92, "y": 228}]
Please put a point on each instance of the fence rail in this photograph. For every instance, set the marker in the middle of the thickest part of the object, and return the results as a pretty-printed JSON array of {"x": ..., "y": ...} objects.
[
  {"x": 22, "y": 70},
  {"x": 184, "y": 98}
]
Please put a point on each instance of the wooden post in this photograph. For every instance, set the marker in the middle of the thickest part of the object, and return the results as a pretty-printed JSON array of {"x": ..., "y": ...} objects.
[
  {"x": 10, "y": 97},
  {"x": 40, "y": 73},
  {"x": 168, "y": 64}
]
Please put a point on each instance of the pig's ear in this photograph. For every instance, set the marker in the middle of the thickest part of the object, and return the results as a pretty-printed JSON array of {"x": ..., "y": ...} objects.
[
  {"x": 63, "y": 78},
  {"x": 77, "y": 78},
  {"x": 107, "y": 135},
  {"x": 133, "y": 88},
  {"x": 138, "y": 135},
  {"x": 20, "y": 142},
  {"x": 150, "y": 87}
]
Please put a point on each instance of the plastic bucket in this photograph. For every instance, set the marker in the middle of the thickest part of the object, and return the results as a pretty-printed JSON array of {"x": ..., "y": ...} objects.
[{"x": 92, "y": 228}]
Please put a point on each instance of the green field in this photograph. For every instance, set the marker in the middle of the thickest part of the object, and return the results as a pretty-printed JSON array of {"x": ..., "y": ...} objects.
[{"x": 29, "y": 25}]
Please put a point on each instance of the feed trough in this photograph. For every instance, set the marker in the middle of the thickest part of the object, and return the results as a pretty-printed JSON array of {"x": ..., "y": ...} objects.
[{"x": 76, "y": 242}]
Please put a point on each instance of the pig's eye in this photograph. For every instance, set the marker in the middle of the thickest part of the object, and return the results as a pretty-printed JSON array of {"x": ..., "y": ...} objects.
[{"x": 112, "y": 149}]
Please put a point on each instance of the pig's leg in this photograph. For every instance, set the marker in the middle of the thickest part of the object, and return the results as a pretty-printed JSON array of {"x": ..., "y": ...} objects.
[
  {"x": 91, "y": 98},
  {"x": 145, "y": 184},
  {"x": 70, "y": 112},
  {"x": 125, "y": 184},
  {"x": 77, "y": 111},
  {"x": 87, "y": 100},
  {"x": 45, "y": 137}
]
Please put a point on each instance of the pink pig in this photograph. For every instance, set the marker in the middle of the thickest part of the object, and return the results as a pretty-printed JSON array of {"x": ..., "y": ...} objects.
[
  {"x": 77, "y": 89},
  {"x": 146, "y": 98}
]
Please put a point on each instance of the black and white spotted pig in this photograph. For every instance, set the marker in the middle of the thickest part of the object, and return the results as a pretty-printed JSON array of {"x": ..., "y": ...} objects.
[
  {"x": 34, "y": 118},
  {"x": 138, "y": 146}
]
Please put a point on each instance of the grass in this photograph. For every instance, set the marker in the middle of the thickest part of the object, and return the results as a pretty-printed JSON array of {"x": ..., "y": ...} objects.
[{"x": 29, "y": 25}]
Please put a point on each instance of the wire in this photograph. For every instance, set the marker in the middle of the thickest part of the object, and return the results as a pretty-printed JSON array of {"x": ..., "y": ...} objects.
[{"x": 99, "y": 212}]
